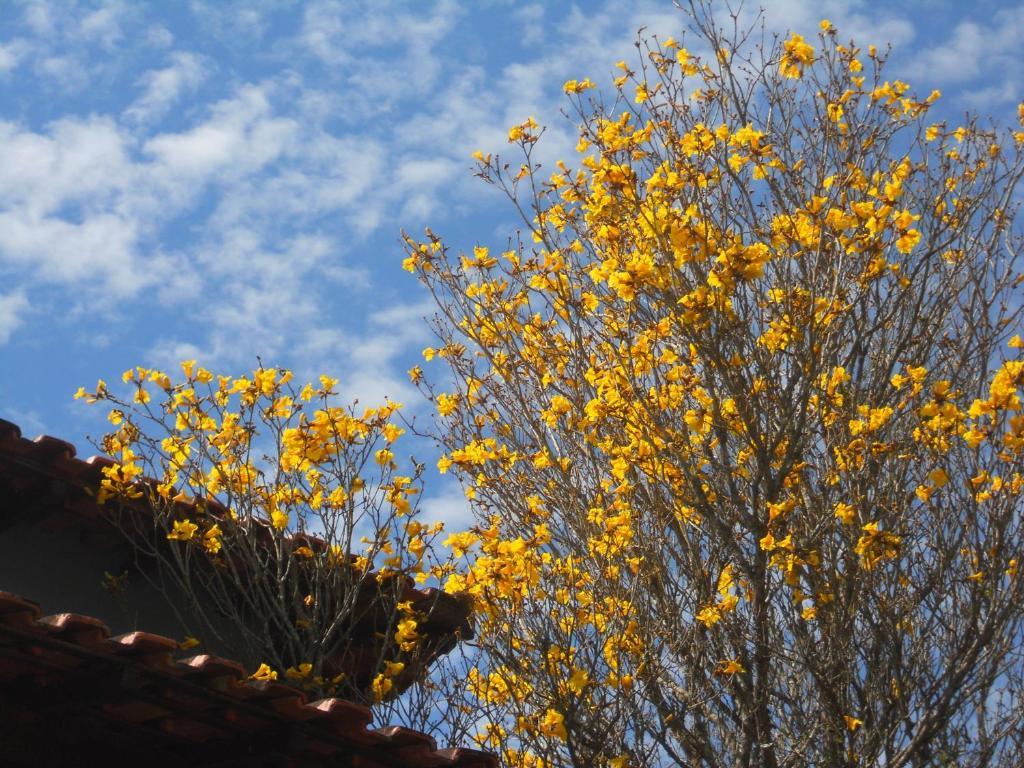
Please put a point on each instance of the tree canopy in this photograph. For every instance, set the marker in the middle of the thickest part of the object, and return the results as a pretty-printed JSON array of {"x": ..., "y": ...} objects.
[{"x": 739, "y": 413}]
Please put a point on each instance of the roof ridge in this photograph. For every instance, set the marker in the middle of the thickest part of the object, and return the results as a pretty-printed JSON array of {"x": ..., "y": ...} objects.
[{"x": 67, "y": 643}]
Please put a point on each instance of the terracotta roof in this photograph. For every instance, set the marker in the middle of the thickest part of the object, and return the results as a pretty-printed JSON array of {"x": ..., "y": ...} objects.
[
  {"x": 47, "y": 470},
  {"x": 70, "y": 691},
  {"x": 64, "y": 679}
]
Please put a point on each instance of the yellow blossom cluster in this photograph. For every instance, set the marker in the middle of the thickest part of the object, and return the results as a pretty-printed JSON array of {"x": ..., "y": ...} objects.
[
  {"x": 719, "y": 392},
  {"x": 273, "y": 483}
]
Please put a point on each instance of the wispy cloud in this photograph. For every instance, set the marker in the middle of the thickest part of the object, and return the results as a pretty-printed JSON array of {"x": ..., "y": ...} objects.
[
  {"x": 11, "y": 55},
  {"x": 162, "y": 88},
  {"x": 241, "y": 136},
  {"x": 104, "y": 24},
  {"x": 62, "y": 205},
  {"x": 447, "y": 503},
  {"x": 236, "y": 173},
  {"x": 985, "y": 58},
  {"x": 12, "y": 307}
]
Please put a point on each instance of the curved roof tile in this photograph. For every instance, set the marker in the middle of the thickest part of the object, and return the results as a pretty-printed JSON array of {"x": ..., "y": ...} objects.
[{"x": 195, "y": 702}]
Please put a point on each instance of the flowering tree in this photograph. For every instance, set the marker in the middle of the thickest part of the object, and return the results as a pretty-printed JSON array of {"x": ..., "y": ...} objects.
[
  {"x": 741, "y": 421},
  {"x": 280, "y": 526}
]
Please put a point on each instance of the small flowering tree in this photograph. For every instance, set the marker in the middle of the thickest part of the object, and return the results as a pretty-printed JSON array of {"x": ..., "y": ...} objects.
[
  {"x": 741, "y": 422},
  {"x": 278, "y": 523}
]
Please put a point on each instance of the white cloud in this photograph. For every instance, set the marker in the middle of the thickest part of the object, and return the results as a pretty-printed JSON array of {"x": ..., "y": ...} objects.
[
  {"x": 164, "y": 87},
  {"x": 75, "y": 161},
  {"x": 866, "y": 22},
  {"x": 39, "y": 19},
  {"x": 30, "y": 422},
  {"x": 255, "y": 298},
  {"x": 71, "y": 44},
  {"x": 63, "y": 198},
  {"x": 370, "y": 357},
  {"x": 241, "y": 136},
  {"x": 447, "y": 504},
  {"x": 12, "y": 307},
  {"x": 11, "y": 54},
  {"x": 200, "y": 150},
  {"x": 382, "y": 52},
  {"x": 975, "y": 53},
  {"x": 473, "y": 109},
  {"x": 318, "y": 174},
  {"x": 158, "y": 36},
  {"x": 166, "y": 355},
  {"x": 958, "y": 59},
  {"x": 531, "y": 17},
  {"x": 98, "y": 253},
  {"x": 236, "y": 20},
  {"x": 103, "y": 25}
]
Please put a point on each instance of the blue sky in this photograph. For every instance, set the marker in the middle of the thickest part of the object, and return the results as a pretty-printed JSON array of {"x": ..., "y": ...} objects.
[{"x": 221, "y": 180}]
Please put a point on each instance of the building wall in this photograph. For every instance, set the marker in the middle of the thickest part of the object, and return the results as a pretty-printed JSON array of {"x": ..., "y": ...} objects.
[{"x": 64, "y": 571}]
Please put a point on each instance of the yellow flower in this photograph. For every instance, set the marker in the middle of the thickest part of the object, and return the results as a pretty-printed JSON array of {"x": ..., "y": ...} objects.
[
  {"x": 279, "y": 519},
  {"x": 578, "y": 681},
  {"x": 729, "y": 667},
  {"x": 300, "y": 672},
  {"x": 382, "y": 685},
  {"x": 796, "y": 54},
  {"x": 709, "y": 615},
  {"x": 264, "y": 674},
  {"x": 553, "y": 724},
  {"x": 853, "y": 723},
  {"x": 876, "y": 545},
  {"x": 845, "y": 513},
  {"x": 392, "y": 432},
  {"x": 686, "y": 62},
  {"x": 577, "y": 86},
  {"x": 459, "y": 543},
  {"x": 406, "y": 635},
  {"x": 908, "y": 241},
  {"x": 183, "y": 530},
  {"x": 447, "y": 404}
]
